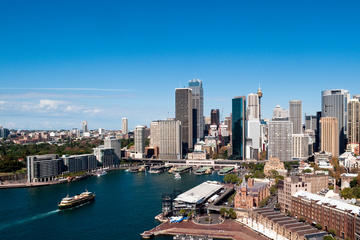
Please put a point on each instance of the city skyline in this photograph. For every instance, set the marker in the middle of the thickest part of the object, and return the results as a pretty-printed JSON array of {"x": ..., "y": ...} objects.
[{"x": 89, "y": 65}]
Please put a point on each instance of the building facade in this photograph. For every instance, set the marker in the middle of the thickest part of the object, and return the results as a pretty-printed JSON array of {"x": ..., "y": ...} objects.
[
  {"x": 44, "y": 168},
  {"x": 215, "y": 117},
  {"x": 353, "y": 123},
  {"x": 249, "y": 194},
  {"x": 334, "y": 104},
  {"x": 253, "y": 107},
  {"x": 239, "y": 127},
  {"x": 295, "y": 112},
  {"x": 329, "y": 135},
  {"x": 280, "y": 139},
  {"x": 124, "y": 126},
  {"x": 114, "y": 143},
  {"x": 184, "y": 114},
  {"x": 198, "y": 104},
  {"x": 166, "y": 136},
  {"x": 300, "y": 146},
  {"x": 330, "y": 214},
  {"x": 84, "y": 126},
  {"x": 78, "y": 163},
  {"x": 139, "y": 139}
]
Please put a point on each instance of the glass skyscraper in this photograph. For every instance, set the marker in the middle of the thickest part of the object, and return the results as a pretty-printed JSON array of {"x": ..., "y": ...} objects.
[
  {"x": 239, "y": 127},
  {"x": 198, "y": 106}
]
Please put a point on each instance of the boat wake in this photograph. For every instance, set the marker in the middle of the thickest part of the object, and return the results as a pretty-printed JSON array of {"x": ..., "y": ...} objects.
[{"x": 26, "y": 220}]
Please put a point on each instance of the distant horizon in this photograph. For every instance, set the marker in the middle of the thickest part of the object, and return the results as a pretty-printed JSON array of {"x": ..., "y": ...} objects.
[{"x": 63, "y": 62}]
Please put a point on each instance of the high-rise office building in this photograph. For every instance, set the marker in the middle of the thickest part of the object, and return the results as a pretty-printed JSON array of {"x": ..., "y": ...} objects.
[
  {"x": 280, "y": 139},
  {"x": 139, "y": 140},
  {"x": 330, "y": 135},
  {"x": 198, "y": 104},
  {"x": 84, "y": 126},
  {"x": 4, "y": 132},
  {"x": 166, "y": 136},
  {"x": 317, "y": 132},
  {"x": 184, "y": 113},
  {"x": 253, "y": 139},
  {"x": 125, "y": 128},
  {"x": 334, "y": 104},
  {"x": 311, "y": 122},
  {"x": 215, "y": 117},
  {"x": 295, "y": 110},
  {"x": 280, "y": 113},
  {"x": 239, "y": 127},
  {"x": 112, "y": 142},
  {"x": 300, "y": 146},
  {"x": 253, "y": 106},
  {"x": 353, "y": 124}
]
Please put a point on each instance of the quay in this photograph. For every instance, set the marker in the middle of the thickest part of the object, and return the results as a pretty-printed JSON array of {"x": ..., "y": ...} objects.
[
  {"x": 229, "y": 229},
  {"x": 226, "y": 170}
]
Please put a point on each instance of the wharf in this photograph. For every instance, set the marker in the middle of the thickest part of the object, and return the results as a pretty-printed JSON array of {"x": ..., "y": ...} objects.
[
  {"x": 229, "y": 229},
  {"x": 182, "y": 169},
  {"x": 226, "y": 170}
]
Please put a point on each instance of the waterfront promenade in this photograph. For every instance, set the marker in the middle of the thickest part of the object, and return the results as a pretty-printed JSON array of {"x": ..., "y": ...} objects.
[{"x": 229, "y": 229}]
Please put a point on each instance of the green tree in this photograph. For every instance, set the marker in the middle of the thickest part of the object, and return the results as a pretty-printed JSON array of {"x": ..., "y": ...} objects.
[
  {"x": 346, "y": 193},
  {"x": 231, "y": 178},
  {"x": 318, "y": 226},
  {"x": 328, "y": 237},
  {"x": 332, "y": 232},
  {"x": 307, "y": 170},
  {"x": 223, "y": 212},
  {"x": 232, "y": 213}
]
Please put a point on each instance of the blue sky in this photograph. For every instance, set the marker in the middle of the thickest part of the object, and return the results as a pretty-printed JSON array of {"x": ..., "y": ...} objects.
[{"x": 62, "y": 62}]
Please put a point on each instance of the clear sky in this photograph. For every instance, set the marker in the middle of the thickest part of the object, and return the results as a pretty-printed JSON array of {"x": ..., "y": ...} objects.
[{"x": 62, "y": 62}]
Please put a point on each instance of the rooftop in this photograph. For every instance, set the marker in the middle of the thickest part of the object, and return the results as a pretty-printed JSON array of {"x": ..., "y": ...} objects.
[
  {"x": 338, "y": 204},
  {"x": 200, "y": 193}
]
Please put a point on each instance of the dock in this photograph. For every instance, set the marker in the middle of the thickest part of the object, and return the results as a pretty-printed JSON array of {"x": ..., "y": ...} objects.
[
  {"x": 182, "y": 169},
  {"x": 203, "y": 170},
  {"x": 226, "y": 170},
  {"x": 229, "y": 229}
]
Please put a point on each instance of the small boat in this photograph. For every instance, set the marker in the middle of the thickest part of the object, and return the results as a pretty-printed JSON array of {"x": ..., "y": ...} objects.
[
  {"x": 101, "y": 173},
  {"x": 177, "y": 176},
  {"x": 77, "y": 200}
]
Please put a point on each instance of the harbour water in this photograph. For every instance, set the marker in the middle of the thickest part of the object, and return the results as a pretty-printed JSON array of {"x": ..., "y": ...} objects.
[{"x": 125, "y": 206}]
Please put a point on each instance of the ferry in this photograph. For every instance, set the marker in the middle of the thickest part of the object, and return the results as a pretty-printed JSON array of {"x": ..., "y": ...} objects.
[
  {"x": 101, "y": 173},
  {"x": 77, "y": 200}
]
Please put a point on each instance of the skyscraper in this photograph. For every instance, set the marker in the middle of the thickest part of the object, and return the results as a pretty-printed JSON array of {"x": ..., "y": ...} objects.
[
  {"x": 330, "y": 135},
  {"x": 114, "y": 143},
  {"x": 253, "y": 107},
  {"x": 300, "y": 146},
  {"x": 198, "y": 104},
  {"x": 310, "y": 122},
  {"x": 125, "y": 129},
  {"x": 280, "y": 113},
  {"x": 353, "y": 124},
  {"x": 280, "y": 139},
  {"x": 215, "y": 117},
  {"x": 295, "y": 110},
  {"x": 239, "y": 127},
  {"x": 166, "y": 136},
  {"x": 184, "y": 113},
  {"x": 84, "y": 126},
  {"x": 139, "y": 136},
  {"x": 317, "y": 132},
  {"x": 334, "y": 104}
]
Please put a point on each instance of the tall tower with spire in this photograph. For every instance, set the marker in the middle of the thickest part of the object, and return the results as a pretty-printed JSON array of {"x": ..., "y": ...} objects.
[{"x": 260, "y": 94}]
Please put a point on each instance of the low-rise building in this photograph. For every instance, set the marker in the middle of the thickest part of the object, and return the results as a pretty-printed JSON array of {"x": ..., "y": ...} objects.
[
  {"x": 331, "y": 214},
  {"x": 273, "y": 164},
  {"x": 195, "y": 198},
  {"x": 249, "y": 194},
  {"x": 44, "y": 168},
  {"x": 308, "y": 182},
  {"x": 276, "y": 225},
  {"x": 346, "y": 178}
]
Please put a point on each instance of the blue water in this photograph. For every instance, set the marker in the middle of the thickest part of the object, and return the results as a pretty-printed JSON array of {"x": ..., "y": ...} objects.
[{"x": 125, "y": 206}]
